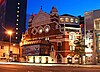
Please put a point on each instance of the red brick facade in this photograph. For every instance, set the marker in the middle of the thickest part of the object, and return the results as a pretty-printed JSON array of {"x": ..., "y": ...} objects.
[{"x": 59, "y": 34}]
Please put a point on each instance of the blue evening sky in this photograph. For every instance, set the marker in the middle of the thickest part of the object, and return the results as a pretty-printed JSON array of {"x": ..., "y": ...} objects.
[{"x": 73, "y": 7}]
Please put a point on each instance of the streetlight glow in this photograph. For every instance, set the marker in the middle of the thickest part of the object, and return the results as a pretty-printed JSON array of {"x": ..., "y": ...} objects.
[{"x": 9, "y": 32}]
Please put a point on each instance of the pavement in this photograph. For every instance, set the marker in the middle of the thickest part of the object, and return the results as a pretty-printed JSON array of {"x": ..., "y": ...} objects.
[{"x": 73, "y": 65}]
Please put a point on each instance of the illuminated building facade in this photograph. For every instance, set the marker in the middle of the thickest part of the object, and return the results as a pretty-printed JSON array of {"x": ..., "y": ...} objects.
[
  {"x": 50, "y": 37},
  {"x": 92, "y": 33},
  {"x": 12, "y": 17},
  {"x": 4, "y": 51}
]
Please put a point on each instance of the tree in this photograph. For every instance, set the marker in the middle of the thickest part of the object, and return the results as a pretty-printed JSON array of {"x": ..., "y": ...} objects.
[{"x": 80, "y": 48}]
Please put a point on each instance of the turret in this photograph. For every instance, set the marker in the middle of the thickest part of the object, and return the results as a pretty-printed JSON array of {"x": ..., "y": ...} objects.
[{"x": 54, "y": 14}]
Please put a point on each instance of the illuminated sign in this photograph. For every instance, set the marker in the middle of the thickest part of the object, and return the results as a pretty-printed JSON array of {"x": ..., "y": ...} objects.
[{"x": 30, "y": 50}]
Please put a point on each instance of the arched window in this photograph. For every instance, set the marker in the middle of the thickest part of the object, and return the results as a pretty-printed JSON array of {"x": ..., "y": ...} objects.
[
  {"x": 59, "y": 46},
  {"x": 52, "y": 48},
  {"x": 59, "y": 58}
]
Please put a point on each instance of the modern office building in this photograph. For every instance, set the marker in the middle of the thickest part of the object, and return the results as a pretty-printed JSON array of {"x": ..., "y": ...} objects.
[
  {"x": 12, "y": 17},
  {"x": 50, "y": 38},
  {"x": 92, "y": 35}
]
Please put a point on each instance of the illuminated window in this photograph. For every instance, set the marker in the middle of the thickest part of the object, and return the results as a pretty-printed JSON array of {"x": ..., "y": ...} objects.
[
  {"x": 47, "y": 38},
  {"x": 72, "y": 36},
  {"x": 47, "y": 28},
  {"x": 17, "y": 15},
  {"x": 61, "y": 19},
  {"x": 14, "y": 44},
  {"x": 17, "y": 24},
  {"x": 71, "y": 20},
  {"x": 18, "y": 7},
  {"x": 18, "y": 3},
  {"x": 52, "y": 48},
  {"x": 16, "y": 32},
  {"x": 17, "y": 11},
  {"x": 72, "y": 48},
  {"x": 17, "y": 20},
  {"x": 76, "y": 20},
  {"x": 16, "y": 37},
  {"x": 16, "y": 28},
  {"x": 40, "y": 30},
  {"x": 66, "y": 20},
  {"x": 97, "y": 24},
  {"x": 98, "y": 42}
]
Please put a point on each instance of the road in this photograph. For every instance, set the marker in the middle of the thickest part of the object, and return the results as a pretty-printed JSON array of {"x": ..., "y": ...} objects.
[{"x": 34, "y": 68}]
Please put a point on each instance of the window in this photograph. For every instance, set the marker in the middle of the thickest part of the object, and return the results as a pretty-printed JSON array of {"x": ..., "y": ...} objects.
[
  {"x": 18, "y": 7},
  {"x": 98, "y": 43},
  {"x": 47, "y": 38},
  {"x": 40, "y": 59},
  {"x": 18, "y": 3},
  {"x": 2, "y": 47},
  {"x": 97, "y": 24},
  {"x": 3, "y": 55},
  {"x": 17, "y": 24},
  {"x": 17, "y": 11},
  {"x": 47, "y": 28},
  {"x": 61, "y": 19},
  {"x": 71, "y": 20},
  {"x": 17, "y": 15},
  {"x": 46, "y": 59},
  {"x": 72, "y": 48},
  {"x": 66, "y": 20},
  {"x": 33, "y": 59},
  {"x": 16, "y": 37},
  {"x": 16, "y": 32},
  {"x": 52, "y": 48},
  {"x": 72, "y": 36},
  {"x": 40, "y": 30},
  {"x": 76, "y": 20},
  {"x": 10, "y": 52},
  {"x": 59, "y": 46},
  {"x": 16, "y": 28},
  {"x": 17, "y": 20},
  {"x": 34, "y": 31}
]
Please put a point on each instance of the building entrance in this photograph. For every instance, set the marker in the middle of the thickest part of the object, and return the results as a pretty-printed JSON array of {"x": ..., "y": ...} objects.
[{"x": 59, "y": 59}]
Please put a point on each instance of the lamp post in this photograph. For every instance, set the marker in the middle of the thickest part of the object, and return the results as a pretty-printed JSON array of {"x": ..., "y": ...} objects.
[{"x": 9, "y": 32}]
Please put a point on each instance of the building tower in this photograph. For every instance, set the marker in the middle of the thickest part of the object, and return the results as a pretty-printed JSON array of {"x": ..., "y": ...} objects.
[{"x": 13, "y": 17}]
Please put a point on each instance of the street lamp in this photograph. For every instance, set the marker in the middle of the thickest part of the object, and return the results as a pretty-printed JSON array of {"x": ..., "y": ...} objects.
[{"x": 9, "y": 32}]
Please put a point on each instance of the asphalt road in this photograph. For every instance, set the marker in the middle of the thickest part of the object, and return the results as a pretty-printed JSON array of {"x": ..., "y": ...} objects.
[{"x": 32, "y": 68}]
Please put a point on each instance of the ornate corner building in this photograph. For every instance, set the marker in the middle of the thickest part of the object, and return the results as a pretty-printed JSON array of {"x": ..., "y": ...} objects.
[{"x": 50, "y": 37}]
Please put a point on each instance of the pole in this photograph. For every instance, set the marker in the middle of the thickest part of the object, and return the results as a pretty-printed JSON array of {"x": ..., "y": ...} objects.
[{"x": 9, "y": 48}]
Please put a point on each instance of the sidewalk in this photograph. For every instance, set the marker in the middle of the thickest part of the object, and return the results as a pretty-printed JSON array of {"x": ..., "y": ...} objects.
[{"x": 73, "y": 65}]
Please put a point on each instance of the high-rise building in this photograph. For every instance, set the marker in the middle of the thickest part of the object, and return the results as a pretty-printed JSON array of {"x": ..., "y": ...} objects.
[{"x": 12, "y": 17}]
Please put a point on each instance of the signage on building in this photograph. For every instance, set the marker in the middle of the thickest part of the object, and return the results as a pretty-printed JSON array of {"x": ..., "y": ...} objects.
[{"x": 30, "y": 50}]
